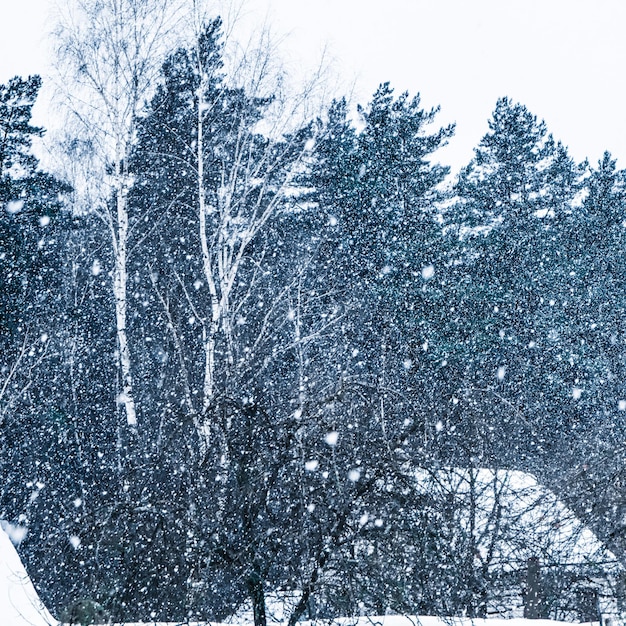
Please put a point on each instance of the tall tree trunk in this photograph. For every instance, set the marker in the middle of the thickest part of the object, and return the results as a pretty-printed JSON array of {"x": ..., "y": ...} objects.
[
  {"x": 120, "y": 281},
  {"x": 257, "y": 595},
  {"x": 533, "y": 598},
  {"x": 111, "y": 53},
  {"x": 211, "y": 329}
]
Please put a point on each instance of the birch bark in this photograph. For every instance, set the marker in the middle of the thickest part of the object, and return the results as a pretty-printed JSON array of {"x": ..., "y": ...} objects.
[{"x": 110, "y": 53}]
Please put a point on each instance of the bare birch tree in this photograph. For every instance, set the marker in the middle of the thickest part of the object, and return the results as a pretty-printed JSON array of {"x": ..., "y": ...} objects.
[
  {"x": 219, "y": 147},
  {"x": 110, "y": 52}
]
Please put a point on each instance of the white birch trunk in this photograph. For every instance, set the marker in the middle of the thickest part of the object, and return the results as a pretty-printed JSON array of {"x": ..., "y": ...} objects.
[
  {"x": 120, "y": 280},
  {"x": 207, "y": 267},
  {"x": 112, "y": 51},
  {"x": 230, "y": 216}
]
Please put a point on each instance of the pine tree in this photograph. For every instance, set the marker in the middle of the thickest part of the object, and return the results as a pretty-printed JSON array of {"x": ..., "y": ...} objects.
[
  {"x": 603, "y": 205},
  {"x": 507, "y": 177},
  {"x": 377, "y": 190},
  {"x": 33, "y": 265},
  {"x": 378, "y": 184},
  {"x": 30, "y": 203},
  {"x": 516, "y": 198}
]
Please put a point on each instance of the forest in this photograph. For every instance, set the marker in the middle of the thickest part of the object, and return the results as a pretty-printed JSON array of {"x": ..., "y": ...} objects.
[{"x": 254, "y": 348}]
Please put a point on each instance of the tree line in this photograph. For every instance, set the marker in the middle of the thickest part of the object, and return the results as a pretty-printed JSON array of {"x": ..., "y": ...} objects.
[{"x": 234, "y": 335}]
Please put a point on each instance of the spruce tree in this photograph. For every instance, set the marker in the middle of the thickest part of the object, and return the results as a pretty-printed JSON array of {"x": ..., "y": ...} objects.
[{"x": 30, "y": 203}]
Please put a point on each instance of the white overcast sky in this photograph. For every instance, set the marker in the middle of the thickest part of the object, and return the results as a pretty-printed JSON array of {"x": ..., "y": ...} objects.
[{"x": 564, "y": 59}]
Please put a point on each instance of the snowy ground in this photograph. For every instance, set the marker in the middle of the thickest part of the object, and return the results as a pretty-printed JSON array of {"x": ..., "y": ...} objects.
[
  {"x": 20, "y": 605},
  {"x": 532, "y": 505},
  {"x": 394, "y": 620}
]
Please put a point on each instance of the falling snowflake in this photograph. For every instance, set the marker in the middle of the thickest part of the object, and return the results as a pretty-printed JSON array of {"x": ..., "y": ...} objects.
[
  {"x": 428, "y": 272},
  {"x": 331, "y": 438},
  {"x": 354, "y": 475}
]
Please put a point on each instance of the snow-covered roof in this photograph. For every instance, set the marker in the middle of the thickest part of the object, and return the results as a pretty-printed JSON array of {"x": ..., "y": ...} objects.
[{"x": 535, "y": 521}]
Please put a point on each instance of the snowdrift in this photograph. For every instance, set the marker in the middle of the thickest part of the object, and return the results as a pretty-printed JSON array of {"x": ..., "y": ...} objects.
[{"x": 19, "y": 603}]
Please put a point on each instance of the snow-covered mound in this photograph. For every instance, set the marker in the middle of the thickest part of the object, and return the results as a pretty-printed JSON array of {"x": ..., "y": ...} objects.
[{"x": 19, "y": 603}]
